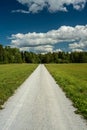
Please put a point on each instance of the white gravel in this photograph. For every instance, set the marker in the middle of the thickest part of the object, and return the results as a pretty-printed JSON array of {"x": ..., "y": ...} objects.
[{"x": 39, "y": 104}]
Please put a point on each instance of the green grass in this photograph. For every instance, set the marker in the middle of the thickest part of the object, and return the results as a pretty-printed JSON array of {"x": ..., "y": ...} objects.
[
  {"x": 11, "y": 77},
  {"x": 73, "y": 80}
]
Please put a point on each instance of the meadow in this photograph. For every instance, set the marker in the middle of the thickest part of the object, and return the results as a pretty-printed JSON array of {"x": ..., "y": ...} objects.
[
  {"x": 11, "y": 77},
  {"x": 72, "y": 78}
]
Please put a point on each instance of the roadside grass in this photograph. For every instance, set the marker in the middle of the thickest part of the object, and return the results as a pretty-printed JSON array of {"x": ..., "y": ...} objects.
[
  {"x": 11, "y": 77},
  {"x": 73, "y": 80}
]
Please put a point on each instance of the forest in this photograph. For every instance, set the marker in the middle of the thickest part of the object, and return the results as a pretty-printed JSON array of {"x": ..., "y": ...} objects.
[{"x": 14, "y": 55}]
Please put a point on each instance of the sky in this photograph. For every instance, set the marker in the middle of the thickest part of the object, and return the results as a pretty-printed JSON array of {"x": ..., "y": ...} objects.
[{"x": 43, "y": 26}]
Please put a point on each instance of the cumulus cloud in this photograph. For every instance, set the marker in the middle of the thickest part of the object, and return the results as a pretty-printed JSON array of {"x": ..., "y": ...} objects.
[
  {"x": 58, "y": 50},
  {"x": 38, "y": 49},
  {"x": 34, "y": 6},
  {"x": 77, "y": 50},
  {"x": 76, "y": 37}
]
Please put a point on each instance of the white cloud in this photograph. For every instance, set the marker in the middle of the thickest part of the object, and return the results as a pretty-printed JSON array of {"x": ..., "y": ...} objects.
[
  {"x": 77, "y": 50},
  {"x": 20, "y": 11},
  {"x": 58, "y": 50},
  {"x": 76, "y": 37},
  {"x": 43, "y": 49},
  {"x": 34, "y": 6},
  {"x": 38, "y": 49},
  {"x": 82, "y": 45}
]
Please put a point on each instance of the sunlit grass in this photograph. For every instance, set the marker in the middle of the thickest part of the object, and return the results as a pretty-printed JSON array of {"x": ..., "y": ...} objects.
[
  {"x": 11, "y": 77},
  {"x": 73, "y": 80}
]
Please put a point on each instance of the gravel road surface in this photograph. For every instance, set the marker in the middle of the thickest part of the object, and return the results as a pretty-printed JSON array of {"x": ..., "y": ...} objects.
[{"x": 39, "y": 104}]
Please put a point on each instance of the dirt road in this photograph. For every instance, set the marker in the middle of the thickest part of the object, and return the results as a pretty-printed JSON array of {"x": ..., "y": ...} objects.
[{"x": 39, "y": 104}]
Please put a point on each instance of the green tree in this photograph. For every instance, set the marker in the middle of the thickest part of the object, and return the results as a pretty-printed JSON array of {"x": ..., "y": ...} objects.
[{"x": 1, "y": 53}]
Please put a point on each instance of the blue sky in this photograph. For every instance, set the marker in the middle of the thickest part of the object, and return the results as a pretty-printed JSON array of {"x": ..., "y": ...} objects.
[{"x": 44, "y": 25}]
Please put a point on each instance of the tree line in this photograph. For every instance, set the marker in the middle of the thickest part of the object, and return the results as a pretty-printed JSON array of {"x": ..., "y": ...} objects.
[{"x": 14, "y": 55}]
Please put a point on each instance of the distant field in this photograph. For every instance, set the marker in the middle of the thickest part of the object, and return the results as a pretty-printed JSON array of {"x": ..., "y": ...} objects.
[
  {"x": 11, "y": 77},
  {"x": 73, "y": 80}
]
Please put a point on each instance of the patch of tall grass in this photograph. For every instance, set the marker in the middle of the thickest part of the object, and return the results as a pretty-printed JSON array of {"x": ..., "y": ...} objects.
[
  {"x": 11, "y": 77},
  {"x": 73, "y": 80}
]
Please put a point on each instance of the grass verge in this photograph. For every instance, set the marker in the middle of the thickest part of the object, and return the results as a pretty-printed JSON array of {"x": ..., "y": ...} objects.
[
  {"x": 73, "y": 80},
  {"x": 11, "y": 77}
]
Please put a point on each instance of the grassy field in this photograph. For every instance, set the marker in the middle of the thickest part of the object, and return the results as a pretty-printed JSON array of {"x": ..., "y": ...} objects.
[
  {"x": 11, "y": 77},
  {"x": 73, "y": 80}
]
